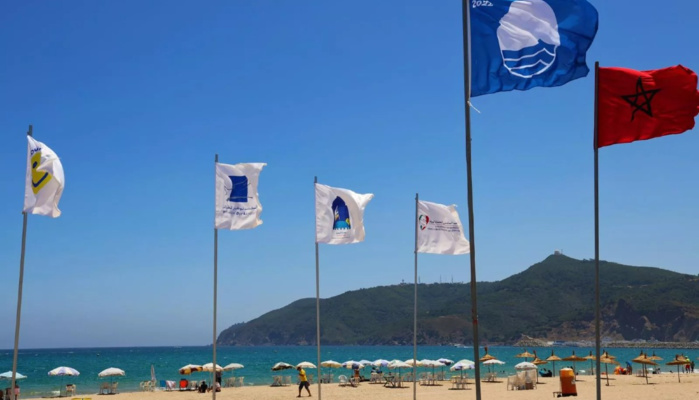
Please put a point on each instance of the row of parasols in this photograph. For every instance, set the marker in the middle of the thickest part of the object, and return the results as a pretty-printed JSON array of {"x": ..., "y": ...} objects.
[
  {"x": 607, "y": 359},
  {"x": 67, "y": 371}
]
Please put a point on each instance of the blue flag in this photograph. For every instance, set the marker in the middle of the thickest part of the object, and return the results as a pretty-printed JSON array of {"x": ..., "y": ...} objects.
[{"x": 521, "y": 44}]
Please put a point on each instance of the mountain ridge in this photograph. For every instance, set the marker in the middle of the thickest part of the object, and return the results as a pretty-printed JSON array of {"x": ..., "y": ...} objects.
[{"x": 552, "y": 299}]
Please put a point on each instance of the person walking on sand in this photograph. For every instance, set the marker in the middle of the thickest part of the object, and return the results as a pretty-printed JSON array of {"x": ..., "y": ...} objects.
[{"x": 303, "y": 382}]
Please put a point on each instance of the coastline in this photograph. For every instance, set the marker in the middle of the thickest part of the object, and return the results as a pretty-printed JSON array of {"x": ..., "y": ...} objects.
[{"x": 663, "y": 386}]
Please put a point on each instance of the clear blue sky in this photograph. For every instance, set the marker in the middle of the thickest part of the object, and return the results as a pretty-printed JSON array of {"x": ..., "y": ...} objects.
[{"x": 137, "y": 97}]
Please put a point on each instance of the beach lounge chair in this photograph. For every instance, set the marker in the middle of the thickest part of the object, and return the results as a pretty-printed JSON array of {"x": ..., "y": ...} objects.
[
  {"x": 104, "y": 388},
  {"x": 113, "y": 388},
  {"x": 343, "y": 380},
  {"x": 70, "y": 389},
  {"x": 277, "y": 380},
  {"x": 287, "y": 380},
  {"x": 239, "y": 383}
]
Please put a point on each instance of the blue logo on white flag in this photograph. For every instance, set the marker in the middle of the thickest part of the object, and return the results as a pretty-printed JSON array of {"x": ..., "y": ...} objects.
[
  {"x": 239, "y": 190},
  {"x": 521, "y": 44},
  {"x": 342, "y": 216}
]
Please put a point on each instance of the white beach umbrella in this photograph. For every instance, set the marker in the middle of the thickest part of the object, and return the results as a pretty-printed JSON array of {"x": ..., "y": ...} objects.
[
  {"x": 210, "y": 367},
  {"x": 306, "y": 364},
  {"x": 445, "y": 361},
  {"x": 365, "y": 362},
  {"x": 233, "y": 366},
  {"x": 399, "y": 364},
  {"x": 330, "y": 364},
  {"x": 352, "y": 365},
  {"x": 380, "y": 363},
  {"x": 60, "y": 371},
  {"x": 462, "y": 365},
  {"x": 523, "y": 366},
  {"x": 111, "y": 372},
  {"x": 412, "y": 361},
  {"x": 281, "y": 366},
  {"x": 8, "y": 375}
]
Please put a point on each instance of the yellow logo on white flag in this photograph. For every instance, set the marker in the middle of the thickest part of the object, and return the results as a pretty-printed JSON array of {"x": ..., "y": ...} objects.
[{"x": 44, "y": 182}]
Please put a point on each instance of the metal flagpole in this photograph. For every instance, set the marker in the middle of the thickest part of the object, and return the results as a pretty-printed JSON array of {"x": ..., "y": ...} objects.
[
  {"x": 315, "y": 181},
  {"x": 597, "y": 310},
  {"x": 415, "y": 310},
  {"x": 471, "y": 230},
  {"x": 215, "y": 285},
  {"x": 19, "y": 295}
]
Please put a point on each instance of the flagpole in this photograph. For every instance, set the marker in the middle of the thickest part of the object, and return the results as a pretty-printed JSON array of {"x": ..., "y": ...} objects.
[
  {"x": 315, "y": 181},
  {"x": 415, "y": 309},
  {"x": 19, "y": 295},
  {"x": 215, "y": 286},
  {"x": 597, "y": 290},
  {"x": 471, "y": 230}
]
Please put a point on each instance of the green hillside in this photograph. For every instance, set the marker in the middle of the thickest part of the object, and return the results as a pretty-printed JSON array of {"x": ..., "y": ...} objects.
[{"x": 553, "y": 299}]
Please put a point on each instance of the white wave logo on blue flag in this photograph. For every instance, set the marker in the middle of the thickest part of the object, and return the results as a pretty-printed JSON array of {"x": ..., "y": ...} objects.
[{"x": 521, "y": 44}]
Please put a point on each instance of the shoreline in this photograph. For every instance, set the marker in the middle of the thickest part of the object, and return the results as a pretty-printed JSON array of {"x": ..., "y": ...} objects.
[{"x": 664, "y": 386}]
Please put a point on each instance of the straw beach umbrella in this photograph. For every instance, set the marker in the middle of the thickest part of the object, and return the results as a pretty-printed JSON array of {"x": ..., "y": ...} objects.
[
  {"x": 487, "y": 356},
  {"x": 592, "y": 358},
  {"x": 537, "y": 361},
  {"x": 607, "y": 359},
  {"x": 553, "y": 358},
  {"x": 525, "y": 355},
  {"x": 574, "y": 358},
  {"x": 679, "y": 360},
  {"x": 644, "y": 360}
]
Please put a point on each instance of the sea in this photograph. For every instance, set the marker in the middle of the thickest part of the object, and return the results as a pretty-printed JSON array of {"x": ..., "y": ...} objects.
[{"x": 258, "y": 361}]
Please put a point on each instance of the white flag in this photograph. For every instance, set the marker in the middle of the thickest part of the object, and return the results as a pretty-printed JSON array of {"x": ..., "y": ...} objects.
[
  {"x": 340, "y": 215},
  {"x": 44, "y": 182},
  {"x": 439, "y": 230},
  {"x": 237, "y": 203}
]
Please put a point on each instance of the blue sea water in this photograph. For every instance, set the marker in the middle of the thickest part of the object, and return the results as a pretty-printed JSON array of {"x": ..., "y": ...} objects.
[{"x": 137, "y": 361}]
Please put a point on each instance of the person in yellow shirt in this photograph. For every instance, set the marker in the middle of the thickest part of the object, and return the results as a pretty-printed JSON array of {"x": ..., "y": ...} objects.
[{"x": 303, "y": 382}]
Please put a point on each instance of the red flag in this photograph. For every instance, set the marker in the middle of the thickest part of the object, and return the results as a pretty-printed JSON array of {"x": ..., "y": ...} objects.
[{"x": 638, "y": 105}]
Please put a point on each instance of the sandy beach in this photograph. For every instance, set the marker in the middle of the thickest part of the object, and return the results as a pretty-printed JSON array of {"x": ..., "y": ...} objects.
[{"x": 621, "y": 387}]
